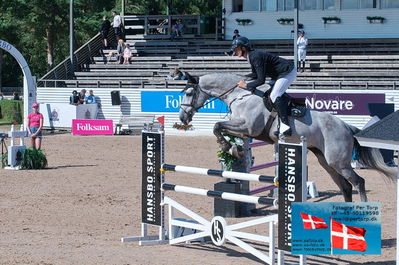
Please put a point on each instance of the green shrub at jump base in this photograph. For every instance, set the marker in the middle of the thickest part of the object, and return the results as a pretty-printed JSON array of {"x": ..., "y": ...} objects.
[{"x": 31, "y": 159}]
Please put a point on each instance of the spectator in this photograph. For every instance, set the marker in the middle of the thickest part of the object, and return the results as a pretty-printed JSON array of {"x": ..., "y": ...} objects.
[
  {"x": 119, "y": 51},
  {"x": 105, "y": 26},
  {"x": 302, "y": 42},
  {"x": 177, "y": 29},
  {"x": 34, "y": 125},
  {"x": 177, "y": 75},
  {"x": 16, "y": 96},
  {"x": 127, "y": 53},
  {"x": 1, "y": 96},
  {"x": 82, "y": 96},
  {"x": 236, "y": 34},
  {"x": 74, "y": 98},
  {"x": 117, "y": 24},
  {"x": 91, "y": 99}
]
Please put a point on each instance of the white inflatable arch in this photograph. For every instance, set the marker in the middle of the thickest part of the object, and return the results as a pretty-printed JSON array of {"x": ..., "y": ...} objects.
[{"x": 29, "y": 81}]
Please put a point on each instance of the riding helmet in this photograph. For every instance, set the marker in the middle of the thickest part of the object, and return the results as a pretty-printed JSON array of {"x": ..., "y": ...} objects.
[{"x": 239, "y": 42}]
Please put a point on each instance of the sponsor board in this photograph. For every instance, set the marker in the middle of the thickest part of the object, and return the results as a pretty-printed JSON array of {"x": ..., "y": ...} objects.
[
  {"x": 340, "y": 103},
  {"x": 152, "y": 145},
  {"x": 335, "y": 228},
  {"x": 60, "y": 115},
  {"x": 169, "y": 101},
  {"x": 292, "y": 176},
  {"x": 92, "y": 127},
  {"x": 335, "y": 103}
]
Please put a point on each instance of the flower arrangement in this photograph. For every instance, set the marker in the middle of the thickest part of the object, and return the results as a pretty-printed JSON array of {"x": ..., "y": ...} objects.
[
  {"x": 225, "y": 157},
  {"x": 183, "y": 127},
  {"x": 329, "y": 20},
  {"x": 376, "y": 19},
  {"x": 245, "y": 21},
  {"x": 285, "y": 21}
]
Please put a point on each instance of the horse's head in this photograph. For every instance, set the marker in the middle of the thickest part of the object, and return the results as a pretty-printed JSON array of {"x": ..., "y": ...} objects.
[{"x": 194, "y": 98}]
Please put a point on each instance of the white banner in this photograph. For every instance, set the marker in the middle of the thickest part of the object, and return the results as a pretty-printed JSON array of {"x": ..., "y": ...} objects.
[{"x": 60, "y": 115}]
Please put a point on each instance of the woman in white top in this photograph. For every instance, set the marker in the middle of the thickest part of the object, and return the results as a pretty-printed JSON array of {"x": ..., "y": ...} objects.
[
  {"x": 116, "y": 24},
  {"x": 302, "y": 42}
]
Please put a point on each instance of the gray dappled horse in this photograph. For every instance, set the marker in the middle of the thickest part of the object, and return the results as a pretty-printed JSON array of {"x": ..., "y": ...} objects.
[{"x": 328, "y": 137}]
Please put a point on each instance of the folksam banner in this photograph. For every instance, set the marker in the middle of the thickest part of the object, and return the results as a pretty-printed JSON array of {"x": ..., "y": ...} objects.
[
  {"x": 169, "y": 101},
  {"x": 92, "y": 127}
]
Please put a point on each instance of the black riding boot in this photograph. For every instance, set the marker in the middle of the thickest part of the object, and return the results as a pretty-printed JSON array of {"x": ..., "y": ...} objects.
[{"x": 281, "y": 105}]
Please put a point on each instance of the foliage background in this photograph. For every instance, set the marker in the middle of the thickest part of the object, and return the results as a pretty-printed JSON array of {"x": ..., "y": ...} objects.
[
  {"x": 11, "y": 111},
  {"x": 39, "y": 29}
]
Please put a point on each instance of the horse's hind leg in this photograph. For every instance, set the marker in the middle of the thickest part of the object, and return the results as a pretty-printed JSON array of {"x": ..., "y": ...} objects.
[
  {"x": 356, "y": 180},
  {"x": 344, "y": 186}
]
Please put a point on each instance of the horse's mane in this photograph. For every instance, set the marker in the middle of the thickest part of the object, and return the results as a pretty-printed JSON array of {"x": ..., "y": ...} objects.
[{"x": 219, "y": 80}]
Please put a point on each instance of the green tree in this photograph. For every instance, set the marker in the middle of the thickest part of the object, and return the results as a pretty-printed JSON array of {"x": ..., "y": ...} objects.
[
  {"x": 176, "y": 7},
  {"x": 40, "y": 30}
]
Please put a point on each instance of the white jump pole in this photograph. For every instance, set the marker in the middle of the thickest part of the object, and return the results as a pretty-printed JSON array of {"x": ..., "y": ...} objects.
[
  {"x": 219, "y": 194},
  {"x": 219, "y": 173}
]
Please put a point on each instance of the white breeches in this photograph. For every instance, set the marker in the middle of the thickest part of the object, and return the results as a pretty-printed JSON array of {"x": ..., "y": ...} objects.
[
  {"x": 301, "y": 54},
  {"x": 282, "y": 85}
]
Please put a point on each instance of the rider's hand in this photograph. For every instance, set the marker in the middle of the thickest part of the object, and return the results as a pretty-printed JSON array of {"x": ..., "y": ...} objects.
[{"x": 242, "y": 84}]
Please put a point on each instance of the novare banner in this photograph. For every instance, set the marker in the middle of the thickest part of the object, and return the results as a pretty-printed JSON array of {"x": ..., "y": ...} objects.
[
  {"x": 340, "y": 103},
  {"x": 92, "y": 127}
]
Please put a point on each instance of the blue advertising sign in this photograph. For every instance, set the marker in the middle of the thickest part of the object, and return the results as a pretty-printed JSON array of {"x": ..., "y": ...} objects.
[
  {"x": 169, "y": 101},
  {"x": 336, "y": 228}
]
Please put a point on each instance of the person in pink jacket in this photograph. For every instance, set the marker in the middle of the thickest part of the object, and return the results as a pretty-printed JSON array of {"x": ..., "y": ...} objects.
[
  {"x": 34, "y": 125},
  {"x": 127, "y": 53}
]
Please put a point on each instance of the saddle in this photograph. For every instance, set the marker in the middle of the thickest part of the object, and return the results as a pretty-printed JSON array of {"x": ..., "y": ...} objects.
[{"x": 296, "y": 106}]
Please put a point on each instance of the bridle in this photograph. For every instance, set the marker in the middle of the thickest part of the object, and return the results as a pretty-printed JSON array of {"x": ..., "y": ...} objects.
[{"x": 194, "y": 98}]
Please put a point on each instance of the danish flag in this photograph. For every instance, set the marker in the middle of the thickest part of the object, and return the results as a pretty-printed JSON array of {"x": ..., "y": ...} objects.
[
  {"x": 347, "y": 237},
  {"x": 313, "y": 222}
]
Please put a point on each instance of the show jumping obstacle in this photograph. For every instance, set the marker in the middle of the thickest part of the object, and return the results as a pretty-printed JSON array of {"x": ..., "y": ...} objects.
[
  {"x": 310, "y": 185},
  {"x": 261, "y": 166},
  {"x": 15, "y": 152},
  {"x": 154, "y": 200}
]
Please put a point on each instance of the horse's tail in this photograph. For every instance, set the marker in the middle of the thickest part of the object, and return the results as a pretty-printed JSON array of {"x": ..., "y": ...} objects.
[{"x": 371, "y": 157}]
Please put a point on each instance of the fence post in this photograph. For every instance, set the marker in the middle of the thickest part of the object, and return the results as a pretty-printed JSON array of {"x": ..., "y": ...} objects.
[{"x": 145, "y": 26}]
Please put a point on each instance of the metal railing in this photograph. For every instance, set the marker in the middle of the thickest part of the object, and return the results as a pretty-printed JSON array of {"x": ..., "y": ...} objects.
[
  {"x": 83, "y": 57},
  {"x": 162, "y": 24},
  {"x": 165, "y": 83}
]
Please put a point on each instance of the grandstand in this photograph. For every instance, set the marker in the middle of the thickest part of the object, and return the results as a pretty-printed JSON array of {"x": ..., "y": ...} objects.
[{"x": 368, "y": 64}]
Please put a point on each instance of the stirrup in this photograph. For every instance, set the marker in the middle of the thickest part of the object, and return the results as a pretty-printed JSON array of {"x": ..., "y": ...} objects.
[{"x": 286, "y": 133}]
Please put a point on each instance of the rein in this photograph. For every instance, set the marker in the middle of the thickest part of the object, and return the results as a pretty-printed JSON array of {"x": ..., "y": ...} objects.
[
  {"x": 223, "y": 94},
  {"x": 197, "y": 87}
]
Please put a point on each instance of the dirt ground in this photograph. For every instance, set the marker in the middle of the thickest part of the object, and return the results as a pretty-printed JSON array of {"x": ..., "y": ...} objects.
[{"x": 76, "y": 211}]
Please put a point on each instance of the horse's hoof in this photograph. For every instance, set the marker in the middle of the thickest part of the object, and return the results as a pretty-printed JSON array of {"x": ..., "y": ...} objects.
[{"x": 236, "y": 151}]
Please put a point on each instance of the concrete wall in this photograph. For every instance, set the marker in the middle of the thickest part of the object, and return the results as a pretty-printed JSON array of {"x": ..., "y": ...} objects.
[{"x": 353, "y": 24}]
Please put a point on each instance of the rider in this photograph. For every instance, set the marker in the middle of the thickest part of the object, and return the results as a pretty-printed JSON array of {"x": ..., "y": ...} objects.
[{"x": 263, "y": 64}]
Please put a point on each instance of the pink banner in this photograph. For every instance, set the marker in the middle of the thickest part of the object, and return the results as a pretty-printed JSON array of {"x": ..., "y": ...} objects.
[{"x": 92, "y": 127}]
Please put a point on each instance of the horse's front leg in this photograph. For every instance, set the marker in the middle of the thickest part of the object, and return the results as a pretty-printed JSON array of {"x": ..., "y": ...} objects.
[{"x": 233, "y": 127}]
